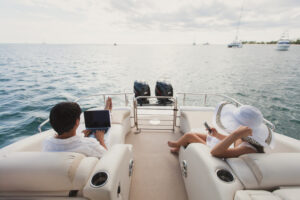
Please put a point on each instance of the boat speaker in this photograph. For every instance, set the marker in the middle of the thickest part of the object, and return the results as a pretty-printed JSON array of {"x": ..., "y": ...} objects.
[
  {"x": 141, "y": 88},
  {"x": 163, "y": 88}
]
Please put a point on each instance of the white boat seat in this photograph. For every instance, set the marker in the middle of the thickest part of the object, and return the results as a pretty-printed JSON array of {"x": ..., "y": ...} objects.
[
  {"x": 281, "y": 194},
  {"x": 265, "y": 171},
  {"x": 121, "y": 126},
  {"x": 290, "y": 193},
  {"x": 255, "y": 195},
  {"x": 192, "y": 118},
  {"x": 119, "y": 115},
  {"x": 200, "y": 174},
  {"x": 45, "y": 171},
  {"x": 58, "y": 174}
]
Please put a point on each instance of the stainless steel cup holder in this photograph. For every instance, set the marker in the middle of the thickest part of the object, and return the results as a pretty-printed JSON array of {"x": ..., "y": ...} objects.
[
  {"x": 225, "y": 175},
  {"x": 99, "y": 179}
]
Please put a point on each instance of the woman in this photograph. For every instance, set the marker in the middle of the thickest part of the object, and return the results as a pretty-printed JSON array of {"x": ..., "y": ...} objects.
[{"x": 247, "y": 132}]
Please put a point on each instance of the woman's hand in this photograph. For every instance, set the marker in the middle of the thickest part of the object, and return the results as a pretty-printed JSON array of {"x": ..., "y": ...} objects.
[
  {"x": 214, "y": 132},
  {"x": 86, "y": 133},
  {"x": 243, "y": 131}
]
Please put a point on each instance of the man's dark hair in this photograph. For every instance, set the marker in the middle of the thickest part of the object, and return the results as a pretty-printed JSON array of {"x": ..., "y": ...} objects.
[{"x": 63, "y": 116}]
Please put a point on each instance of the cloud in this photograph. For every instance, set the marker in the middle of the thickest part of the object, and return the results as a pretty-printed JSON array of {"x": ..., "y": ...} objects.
[
  {"x": 212, "y": 15},
  {"x": 102, "y": 21}
]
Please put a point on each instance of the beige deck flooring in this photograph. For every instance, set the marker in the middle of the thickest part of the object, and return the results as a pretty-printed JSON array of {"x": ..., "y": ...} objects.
[{"x": 156, "y": 172}]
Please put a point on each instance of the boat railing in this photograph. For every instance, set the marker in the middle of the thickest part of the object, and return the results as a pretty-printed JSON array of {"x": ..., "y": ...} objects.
[
  {"x": 237, "y": 103},
  {"x": 170, "y": 108},
  {"x": 174, "y": 105},
  {"x": 104, "y": 96}
]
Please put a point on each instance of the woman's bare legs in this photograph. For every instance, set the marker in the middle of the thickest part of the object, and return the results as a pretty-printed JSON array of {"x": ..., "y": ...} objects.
[
  {"x": 108, "y": 104},
  {"x": 185, "y": 140}
]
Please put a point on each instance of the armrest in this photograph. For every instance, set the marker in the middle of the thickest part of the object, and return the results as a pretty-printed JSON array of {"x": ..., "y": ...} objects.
[
  {"x": 116, "y": 164},
  {"x": 201, "y": 180}
]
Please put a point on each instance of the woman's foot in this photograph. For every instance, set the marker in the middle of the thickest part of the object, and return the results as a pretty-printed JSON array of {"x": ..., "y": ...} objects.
[
  {"x": 172, "y": 144},
  {"x": 108, "y": 104},
  {"x": 174, "y": 150}
]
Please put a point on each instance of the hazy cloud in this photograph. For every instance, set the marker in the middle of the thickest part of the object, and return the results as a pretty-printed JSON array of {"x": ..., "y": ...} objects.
[
  {"x": 215, "y": 14},
  {"x": 131, "y": 20}
]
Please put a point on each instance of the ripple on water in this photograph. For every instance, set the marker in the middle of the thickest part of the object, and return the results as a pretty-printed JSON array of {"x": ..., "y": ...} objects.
[{"x": 279, "y": 108}]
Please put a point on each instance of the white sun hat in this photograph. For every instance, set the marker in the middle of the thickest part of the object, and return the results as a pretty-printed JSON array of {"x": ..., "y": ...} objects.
[{"x": 228, "y": 117}]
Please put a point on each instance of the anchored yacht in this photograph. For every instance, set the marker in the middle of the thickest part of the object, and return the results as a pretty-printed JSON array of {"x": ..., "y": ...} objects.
[
  {"x": 138, "y": 164},
  {"x": 283, "y": 43}
]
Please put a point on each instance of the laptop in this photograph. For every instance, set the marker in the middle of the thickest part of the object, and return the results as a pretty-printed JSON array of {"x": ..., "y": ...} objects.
[{"x": 97, "y": 120}]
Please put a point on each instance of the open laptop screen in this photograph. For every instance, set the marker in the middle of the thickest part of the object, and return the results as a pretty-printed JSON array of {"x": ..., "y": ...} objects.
[{"x": 97, "y": 119}]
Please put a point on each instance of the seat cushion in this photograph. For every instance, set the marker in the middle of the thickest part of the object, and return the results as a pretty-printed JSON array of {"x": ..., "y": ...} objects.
[
  {"x": 44, "y": 171},
  {"x": 191, "y": 119},
  {"x": 292, "y": 193},
  {"x": 119, "y": 115},
  {"x": 259, "y": 171},
  {"x": 288, "y": 193},
  {"x": 255, "y": 195}
]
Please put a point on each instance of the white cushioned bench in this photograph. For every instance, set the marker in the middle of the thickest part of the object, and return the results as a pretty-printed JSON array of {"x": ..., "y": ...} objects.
[
  {"x": 193, "y": 117},
  {"x": 267, "y": 171},
  {"x": 121, "y": 126},
  {"x": 58, "y": 174},
  {"x": 280, "y": 194}
]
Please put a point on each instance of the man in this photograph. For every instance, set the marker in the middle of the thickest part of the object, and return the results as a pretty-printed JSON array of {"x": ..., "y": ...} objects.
[{"x": 64, "y": 119}]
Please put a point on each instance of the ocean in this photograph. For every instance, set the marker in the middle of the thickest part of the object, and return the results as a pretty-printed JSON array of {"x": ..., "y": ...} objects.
[{"x": 34, "y": 77}]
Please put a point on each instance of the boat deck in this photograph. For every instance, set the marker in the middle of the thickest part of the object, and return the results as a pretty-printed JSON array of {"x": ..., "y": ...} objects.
[{"x": 157, "y": 173}]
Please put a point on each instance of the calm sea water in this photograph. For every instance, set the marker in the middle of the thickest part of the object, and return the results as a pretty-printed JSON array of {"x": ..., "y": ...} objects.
[{"x": 33, "y": 78}]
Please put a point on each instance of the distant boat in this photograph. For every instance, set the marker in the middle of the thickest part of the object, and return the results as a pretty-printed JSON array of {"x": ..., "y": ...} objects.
[
  {"x": 206, "y": 43},
  {"x": 115, "y": 44},
  {"x": 194, "y": 44},
  {"x": 283, "y": 43},
  {"x": 236, "y": 43}
]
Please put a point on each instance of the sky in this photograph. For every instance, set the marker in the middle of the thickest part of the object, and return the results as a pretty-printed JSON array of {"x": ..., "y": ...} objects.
[{"x": 146, "y": 21}]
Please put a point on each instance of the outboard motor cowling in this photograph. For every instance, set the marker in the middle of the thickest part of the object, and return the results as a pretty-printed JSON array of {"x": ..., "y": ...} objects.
[
  {"x": 163, "y": 88},
  {"x": 141, "y": 88}
]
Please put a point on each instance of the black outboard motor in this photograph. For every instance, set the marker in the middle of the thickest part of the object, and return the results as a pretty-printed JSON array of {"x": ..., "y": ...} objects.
[
  {"x": 163, "y": 88},
  {"x": 141, "y": 88}
]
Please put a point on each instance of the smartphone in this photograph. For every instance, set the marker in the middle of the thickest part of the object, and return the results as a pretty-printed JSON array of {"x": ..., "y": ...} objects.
[{"x": 207, "y": 127}]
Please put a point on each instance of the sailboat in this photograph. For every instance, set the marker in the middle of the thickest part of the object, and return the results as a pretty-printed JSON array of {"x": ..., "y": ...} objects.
[{"x": 236, "y": 43}]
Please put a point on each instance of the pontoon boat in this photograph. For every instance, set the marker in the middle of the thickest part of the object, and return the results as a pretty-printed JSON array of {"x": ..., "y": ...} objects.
[{"x": 139, "y": 166}]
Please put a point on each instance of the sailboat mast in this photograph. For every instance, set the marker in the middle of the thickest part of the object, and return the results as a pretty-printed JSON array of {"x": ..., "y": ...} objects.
[{"x": 239, "y": 22}]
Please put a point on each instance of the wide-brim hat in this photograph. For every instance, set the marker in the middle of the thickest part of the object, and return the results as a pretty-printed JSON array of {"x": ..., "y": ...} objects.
[{"x": 228, "y": 117}]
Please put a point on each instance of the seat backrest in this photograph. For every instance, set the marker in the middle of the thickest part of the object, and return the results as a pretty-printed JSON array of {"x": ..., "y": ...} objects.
[
  {"x": 44, "y": 171},
  {"x": 265, "y": 171}
]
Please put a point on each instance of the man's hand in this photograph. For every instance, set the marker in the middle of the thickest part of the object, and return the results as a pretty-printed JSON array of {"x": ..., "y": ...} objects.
[
  {"x": 243, "y": 131},
  {"x": 86, "y": 133}
]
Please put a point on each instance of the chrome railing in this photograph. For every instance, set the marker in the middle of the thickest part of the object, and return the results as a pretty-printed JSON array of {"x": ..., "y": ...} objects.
[
  {"x": 185, "y": 94},
  {"x": 175, "y": 105},
  {"x": 104, "y": 96},
  {"x": 156, "y": 107}
]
